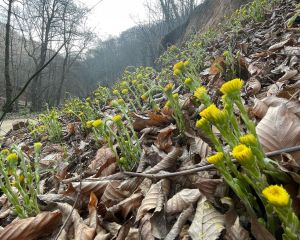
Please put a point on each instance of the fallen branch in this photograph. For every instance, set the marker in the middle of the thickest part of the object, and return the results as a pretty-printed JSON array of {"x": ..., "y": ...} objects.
[{"x": 204, "y": 168}]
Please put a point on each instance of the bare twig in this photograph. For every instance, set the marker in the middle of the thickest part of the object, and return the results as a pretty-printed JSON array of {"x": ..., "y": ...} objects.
[{"x": 204, "y": 168}]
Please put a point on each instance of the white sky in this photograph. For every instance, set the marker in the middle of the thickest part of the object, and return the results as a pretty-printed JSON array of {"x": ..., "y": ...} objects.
[{"x": 111, "y": 17}]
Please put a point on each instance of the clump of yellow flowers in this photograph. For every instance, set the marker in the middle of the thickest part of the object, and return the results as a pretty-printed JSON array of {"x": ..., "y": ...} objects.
[{"x": 253, "y": 179}]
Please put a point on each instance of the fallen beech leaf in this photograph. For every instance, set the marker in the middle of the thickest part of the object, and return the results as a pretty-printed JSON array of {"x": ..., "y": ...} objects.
[
  {"x": 127, "y": 205},
  {"x": 198, "y": 146},
  {"x": 207, "y": 186},
  {"x": 259, "y": 109},
  {"x": 183, "y": 217},
  {"x": 275, "y": 88},
  {"x": 146, "y": 228},
  {"x": 279, "y": 129},
  {"x": 208, "y": 223},
  {"x": 288, "y": 75},
  {"x": 112, "y": 194},
  {"x": 217, "y": 66},
  {"x": 154, "y": 199},
  {"x": 259, "y": 231},
  {"x": 87, "y": 187},
  {"x": 182, "y": 200},
  {"x": 253, "y": 86},
  {"x": 104, "y": 159},
  {"x": 153, "y": 119},
  {"x": 167, "y": 162},
  {"x": 237, "y": 232},
  {"x": 164, "y": 138},
  {"x": 282, "y": 44},
  {"x": 32, "y": 228},
  {"x": 93, "y": 219}
]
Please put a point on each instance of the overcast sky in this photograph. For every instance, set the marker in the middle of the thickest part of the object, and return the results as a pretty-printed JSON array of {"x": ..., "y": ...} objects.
[{"x": 111, "y": 17}]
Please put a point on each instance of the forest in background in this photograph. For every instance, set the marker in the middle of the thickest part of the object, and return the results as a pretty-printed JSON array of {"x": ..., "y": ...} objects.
[{"x": 31, "y": 31}]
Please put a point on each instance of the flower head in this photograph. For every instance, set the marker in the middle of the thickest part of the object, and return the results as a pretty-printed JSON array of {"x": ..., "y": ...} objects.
[
  {"x": 200, "y": 93},
  {"x": 115, "y": 92},
  {"x": 214, "y": 159},
  {"x": 125, "y": 91},
  {"x": 139, "y": 76},
  {"x": 186, "y": 63},
  {"x": 188, "y": 81},
  {"x": 117, "y": 118},
  {"x": 5, "y": 152},
  {"x": 134, "y": 82},
  {"x": 242, "y": 153},
  {"x": 144, "y": 97},
  {"x": 97, "y": 123},
  {"x": 248, "y": 139},
  {"x": 123, "y": 83},
  {"x": 37, "y": 146},
  {"x": 168, "y": 87},
  {"x": 214, "y": 114},
  {"x": 232, "y": 87},
  {"x": 13, "y": 157},
  {"x": 177, "y": 72},
  {"x": 178, "y": 66},
  {"x": 121, "y": 101},
  {"x": 175, "y": 95},
  {"x": 276, "y": 195},
  {"x": 204, "y": 125},
  {"x": 89, "y": 124},
  {"x": 168, "y": 104}
]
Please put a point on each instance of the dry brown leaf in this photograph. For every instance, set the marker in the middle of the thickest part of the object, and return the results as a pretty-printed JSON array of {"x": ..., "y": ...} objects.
[
  {"x": 183, "y": 217},
  {"x": 154, "y": 199},
  {"x": 275, "y": 88},
  {"x": 127, "y": 205},
  {"x": 93, "y": 219},
  {"x": 208, "y": 186},
  {"x": 112, "y": 194},
  {"x": 145, "y": 228},
  {"x": 253, "y": 86},
  {"x": 208, "y": 223},
  {"x": 260, "y": 108},
  {"x": 164, "y": 138},
  {"x": 198, "y": 146},
  {"x": 288, "y": 75},
  {"x": 104, "y": 162},
  {"x": 217, "y": 65},
  {"x": 153, "y": 119},
  {"x": 32, "y": 228},
  {"x": 98, "y": 187},
  {"x": 182, "y": 200},
  {"x": 237, "y": 232},
  {"x": 259, "y": 231},
  {"x": 168, "y": 162},
  {"x": 279, "y": 129},
  {"x": 282, "y": 44}
]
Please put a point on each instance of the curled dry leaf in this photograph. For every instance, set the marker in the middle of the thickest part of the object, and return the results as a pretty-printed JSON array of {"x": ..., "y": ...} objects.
[
  {"x": 154, "y": 199},
  {"x": 104, "y": 162},
  {"x": 279, "y": 129},
  {"x": 288, "y": 75},
  {"x": 164, "y": 138},
  {"x": 153, "y": 119},
  {"x": 253, "y": 86},
  {"x": 280, "y": 45},
  {"x": 167, "y": 162},
  {"x": 177, "y": 227},
  {"x": 237, "y": 232},
  {"x": 207, "y": 186},
  {"x": 182, "y": 200},
  {"x": 275, "y": 88},
  {"x": 208, "y": 223},
  {"x": 32, "y": 228},
  {"x": 198, "y": 146},
  {"x": 98, "y": 187},
  {"x": 145, "y": 227},
  {"x": 112, "y": 194}
]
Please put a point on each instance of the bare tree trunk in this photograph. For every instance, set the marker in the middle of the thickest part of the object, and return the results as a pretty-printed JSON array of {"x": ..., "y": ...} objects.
[
  {"x": 62, "y": 79},
  {"x": 8, "y": 85}
]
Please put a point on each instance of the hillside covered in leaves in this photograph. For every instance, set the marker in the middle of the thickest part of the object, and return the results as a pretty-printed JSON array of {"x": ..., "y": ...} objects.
[{"x": 206, "y": 148}]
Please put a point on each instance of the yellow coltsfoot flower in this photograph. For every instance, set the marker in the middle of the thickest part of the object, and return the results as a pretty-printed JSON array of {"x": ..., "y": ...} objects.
[
  {"x": 5, "y": 152},
  {"x": 89, "y": 124},
  {"x": 178, "y": 66},
  {"x": 144, "y": 97},
  {"x": 125, "y": 91},
  {"x": 248, "y": 139},
  {"x": 214, "y": 159},
  {"x": 214, "y": 114},
  {"x": 232, "y": 86},
  {"x": 37, "y": 146},
  {"x": 98, "y": 123},
  {"x": 168, "y": 87},
  {"x": 117, "y": 118},
  {"x": 13, "y": 157},
  {"x": 121, "y": 101},
  {"x": 116, "y": 92},
  {"x": 276, "y": 195},
  {"x": 177, "y": 72},
  {"x": 168, "y": 104},
  {"x": 188, "y": 81},
  {"x": 242, "y": 153},
  {"x": 200, "y": 93}
]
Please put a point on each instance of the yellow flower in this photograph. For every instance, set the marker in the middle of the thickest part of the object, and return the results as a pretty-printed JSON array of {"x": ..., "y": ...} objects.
[
  {"x": 242, "y": 153},
  {"x": 144, "y": 97},
  {"x": 175, "y": 95},
  {"x": 125, "y": 91},
  {"x": 115, "y": 92},
  {"x": 276, "y": 195},
  {"x": 200, "y": 93},
  {"x": 168, "y": 104},
  {"x": 213, "y": 114},
  {"x": 88, "y": 99},
  {"x": 232, "y": 86},
  {"x": 5, "y": 152},
  {"x": 248, "y": 139},
  {"x": 21, "y": 178},
  {"x": 134, "y": 82},
  {"x": 139, "y": 76},
  {"x": 186, "y": 63},
  {"x": 13, "y": 157},
  {"x": 89, "y": 124},
  {"x": 188, "y": 81},
  {"x": 117, "y": 118},
  {"x": 168, "y": 87},
  {"x": 37, "y": 146},
  {"x": 176, "y": 72},
  {"x": 123, "y": 84},
  {"x": 121, "y": 101},
  {"x": 201, "y": 123},
  {"x": 214, "y": 159},
  {"x": 97, "y": 123},
  {"x": 178, "y": 65}
]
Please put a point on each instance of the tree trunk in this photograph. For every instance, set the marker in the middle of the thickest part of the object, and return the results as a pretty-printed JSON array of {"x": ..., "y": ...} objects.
[
  {"x": 62, "y": 79},
  {"x": 8, "y": 86}
]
